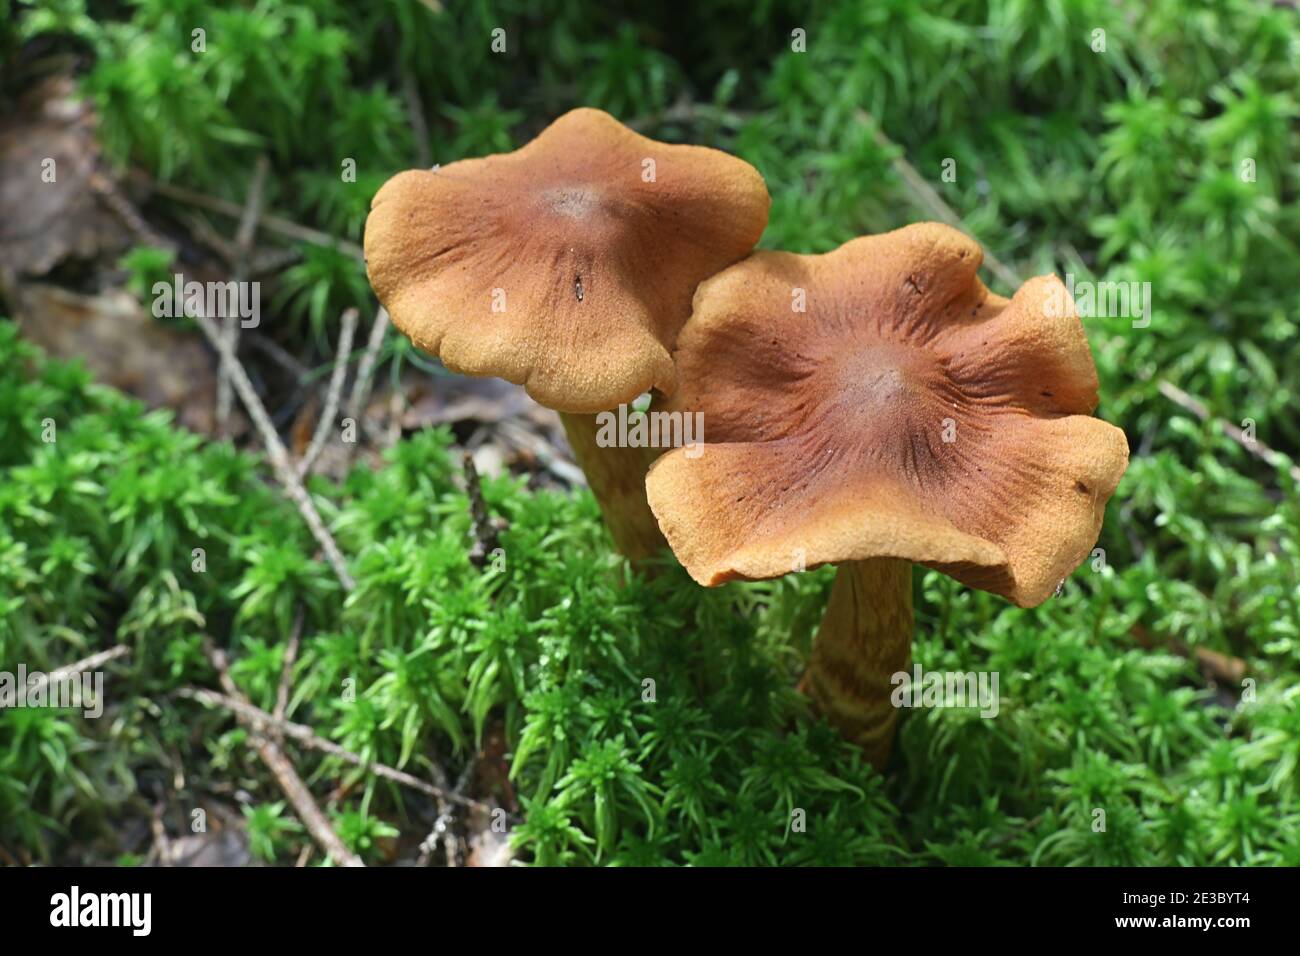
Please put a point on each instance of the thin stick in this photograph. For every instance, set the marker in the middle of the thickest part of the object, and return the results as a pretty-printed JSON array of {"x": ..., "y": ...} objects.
[
  {"x": 86, "y": 664},
  {"x": 304, "y": 804},
  {"x": 202, "y": 230},
  {"x": 444, "y": 828},
  {"x": 396, "y": 408},
  {"x": 365, "y": 374},
  {"x": 261, "y": 261},
  {"x": 253, "y": 714},
  {"x": 252, "y": 211},
  {"x": 279, "y": 456},
  {"x": 278, "y": 354},
  {"x": 366, "y": 370},
  {"x": 162, "y": 846},
  {"x": 270, "y": 261},
  {"x": 1252, "y": 445},
  {"x": 415, "y": 112},
  {"x": 242, "y": 251},
  {"x": 327, "y": 419},
  {"x": 925, "y": 194},
  {"x": 109, "y": 194},
  {"x": 523, "y": 438},
  {"x": 284, "y": 227}
]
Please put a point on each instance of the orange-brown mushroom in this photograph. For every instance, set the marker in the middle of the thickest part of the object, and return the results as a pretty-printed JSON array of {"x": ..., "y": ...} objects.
[
  {"x": 877, "y": 406},
  {"x": 568, "y": 267}
]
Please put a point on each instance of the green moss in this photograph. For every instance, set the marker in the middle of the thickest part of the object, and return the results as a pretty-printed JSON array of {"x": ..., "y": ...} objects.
[{"x": 97, "y": 530}]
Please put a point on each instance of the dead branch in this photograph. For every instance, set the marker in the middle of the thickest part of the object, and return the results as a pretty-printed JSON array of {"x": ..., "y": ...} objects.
[
  {"x": 284, "y": 227},
  {"x": 243, "y": 249},
  {"x": 366, "y": 369},
  {"x": 304, "y": 804},
  {"x": 929, "y": 199},
  {"x": 337, "y": 378},
  {"x": 251, "y": 713},
  {"x": 107, "y": 191},
  {"x": 276, "y": 451},
  {"x": 415, "y": 113},
  {"x": 41, "y": 681},
  {"x": 1252, "y": 445},
  {"x": 533, "y": 443}
]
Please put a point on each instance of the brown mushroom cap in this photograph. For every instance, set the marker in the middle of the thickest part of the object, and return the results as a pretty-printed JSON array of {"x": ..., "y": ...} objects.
[
  {"x": 596, "y": 264},
  {"x": 826, "y": 428}
]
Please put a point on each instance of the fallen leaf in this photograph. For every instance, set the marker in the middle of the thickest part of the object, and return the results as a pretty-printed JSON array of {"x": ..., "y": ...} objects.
[
  {"x": 48, "y": 206},
  {"x": 123, "y": 346}
]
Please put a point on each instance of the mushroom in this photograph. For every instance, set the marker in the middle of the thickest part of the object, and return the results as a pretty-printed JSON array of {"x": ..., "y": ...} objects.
[
  {"x": 568, "y": 267},
  {"x": 875, "y": 407}
]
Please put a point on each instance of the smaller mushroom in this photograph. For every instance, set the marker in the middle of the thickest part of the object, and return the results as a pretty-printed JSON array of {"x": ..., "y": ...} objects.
[
  {"x": 566, "y": 267},
  {"x": 875, "y": 407}
]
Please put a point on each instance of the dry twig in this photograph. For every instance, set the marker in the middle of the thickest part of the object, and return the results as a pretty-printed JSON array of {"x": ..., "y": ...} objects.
[
  {"x": 533, "y": 443},
  {"x": 1252, "y": 445},
  {"x": 415, "y": 113},
  {"x": 339, "y": 376},
  {"x": 926, "y": 196},
  {"x": 107, "y": 191},
  {"x": 366, "y": 369},
  {"x": 284, "y": 227},
  {"x": 243, "y": 249},
  {"x": 304, "y": 804},
  {"x": 41, "y": 681},
  {"x": 279, "y": 456},
  {"x": 278, "y": 354},
  {"x": 251, "y": 713}
]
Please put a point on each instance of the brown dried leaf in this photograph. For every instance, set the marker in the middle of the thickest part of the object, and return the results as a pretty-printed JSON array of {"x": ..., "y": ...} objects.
[
  {"x": 124, "y": 347},
  {"x": 43, "y": 222}
]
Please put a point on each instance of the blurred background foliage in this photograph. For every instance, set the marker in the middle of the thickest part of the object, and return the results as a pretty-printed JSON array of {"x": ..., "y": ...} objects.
[{"x": 1122, "y": 164}]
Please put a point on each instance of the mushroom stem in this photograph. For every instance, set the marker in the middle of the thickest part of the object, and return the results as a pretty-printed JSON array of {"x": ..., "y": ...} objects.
[
  {"x": 616, "y": 477},
  {"x": 864, "y": 639}
]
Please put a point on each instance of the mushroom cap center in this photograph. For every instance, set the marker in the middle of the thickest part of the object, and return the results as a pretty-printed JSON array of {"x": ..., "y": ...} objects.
[
  {"x": 879, "y": 386},
  {"x": 572, "y": 202},
  {"x": 575, "y": 213},
  {"x": 882, "y": 380}
]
